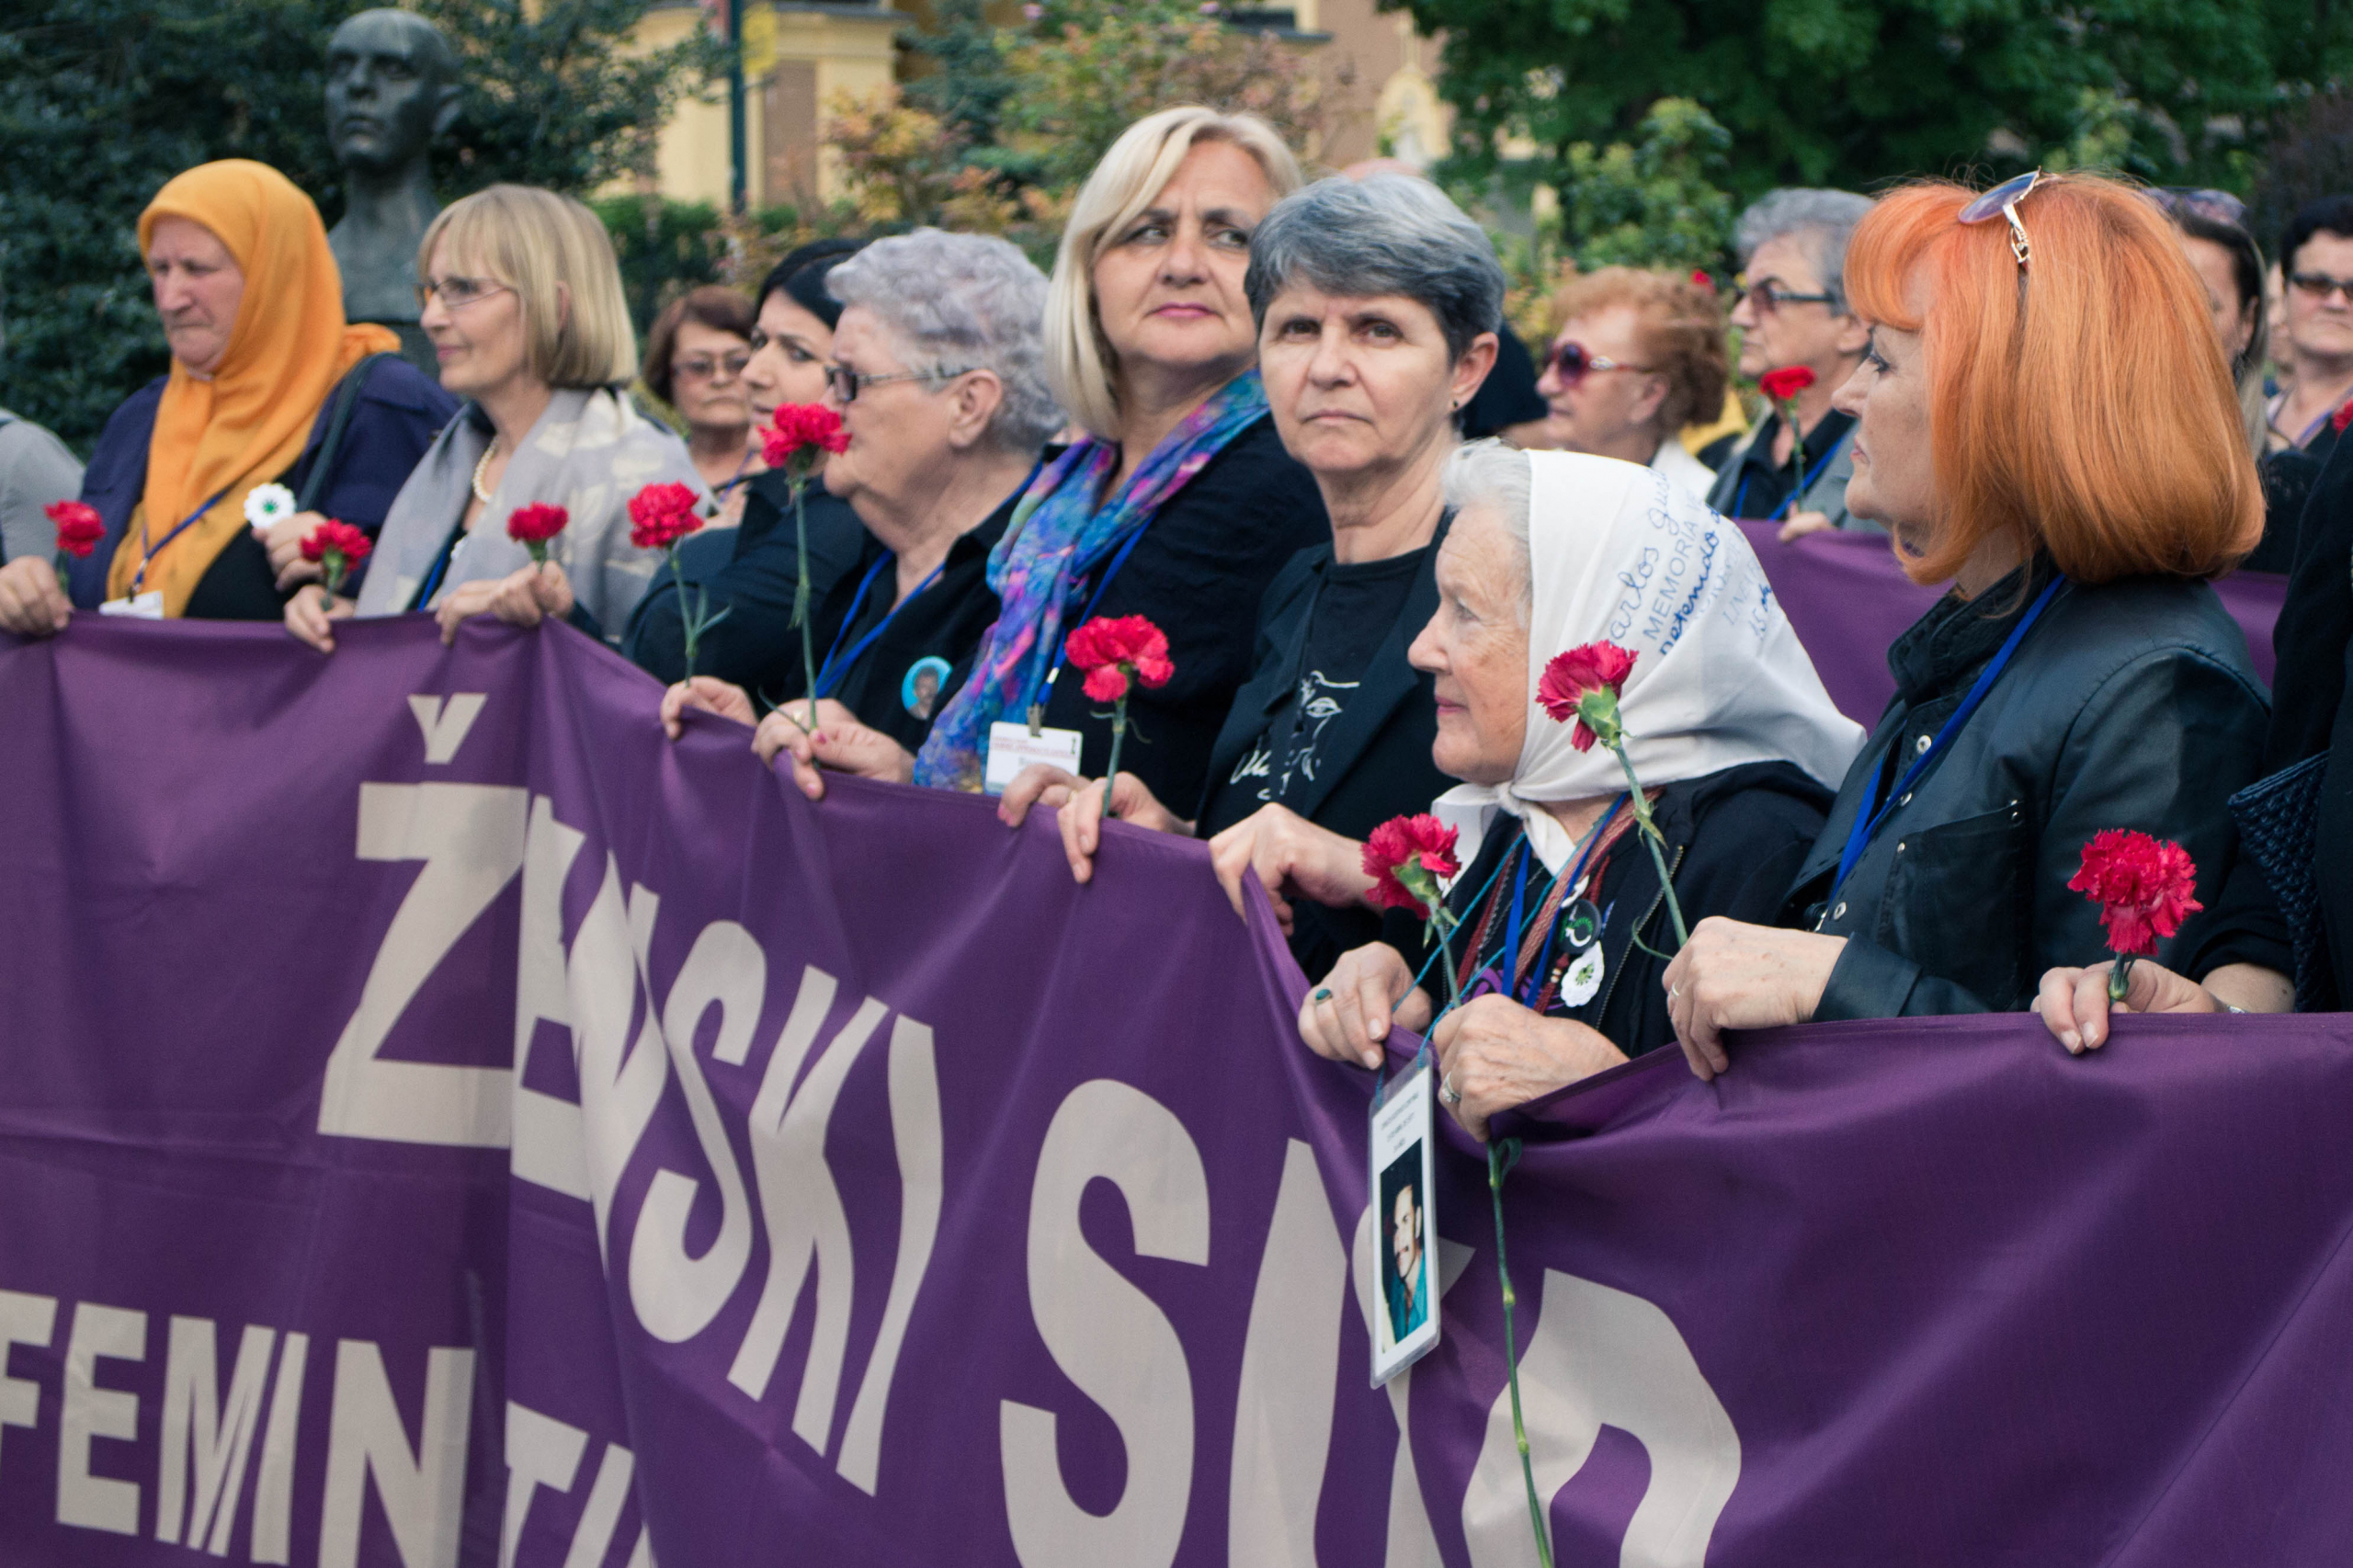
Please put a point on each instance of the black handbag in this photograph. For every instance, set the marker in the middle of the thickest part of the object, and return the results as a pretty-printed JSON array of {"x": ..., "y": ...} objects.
[{"x": 2278, "y": 818}]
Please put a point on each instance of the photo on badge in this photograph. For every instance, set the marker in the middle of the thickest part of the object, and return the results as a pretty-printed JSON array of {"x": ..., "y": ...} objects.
[
  {"x": 919, "y": 693},
  {"x": 1404, "y": 1173}
]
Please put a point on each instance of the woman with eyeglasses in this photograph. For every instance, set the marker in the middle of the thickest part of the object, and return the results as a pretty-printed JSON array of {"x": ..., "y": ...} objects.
[
  {"x": 939, "y": 373},
  {"x": 1638, "y": 357},
  {"x": 2317, "y": 258},
  {"x": 268, "y": 387},
  {"x": 522, "y": 298},
  {"x": 2045, "y": 421},
  {"x": 695, "y": 359},
  {"x": 1793, "y": 313}
]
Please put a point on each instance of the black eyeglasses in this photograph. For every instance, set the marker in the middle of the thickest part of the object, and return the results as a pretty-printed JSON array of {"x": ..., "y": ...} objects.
[
  {"x": 1767, "y": 295},
  {"x": 2002, "y": 202},
  {"x": 1571, "y": 361},
  {"x": 2320, "y": 285},
  {"x": 844, "y": 383}
]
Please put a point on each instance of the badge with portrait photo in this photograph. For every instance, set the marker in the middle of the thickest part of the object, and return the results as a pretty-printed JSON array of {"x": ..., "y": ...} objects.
[
  {"x": 1404, "y": 1179},
  {"x": 919, "y": 692}
]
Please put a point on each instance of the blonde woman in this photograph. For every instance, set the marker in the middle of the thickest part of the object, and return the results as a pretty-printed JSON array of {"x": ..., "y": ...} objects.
[
  {"x": 1180, "y": 501},
  {"x": 523, "y": 302}
]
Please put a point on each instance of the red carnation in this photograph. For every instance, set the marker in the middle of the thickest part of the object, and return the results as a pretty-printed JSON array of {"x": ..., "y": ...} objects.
[
  {"x": 1109, "y": 650},
  {"x": 1700, "y": 280},
  {"x": 79, "y": 527},
  {"x": 537, "y": 523},
  {"x": 661, "y": 514},
  {"x": 1785, "y": 383},
  {"x": 1581, "y": 686},
  {"x": 338, "y": 546},
  {"x": 799, "y": 428},
  {"x": 2141, "y": 885},
  {"x": 1407, "y": 853}
]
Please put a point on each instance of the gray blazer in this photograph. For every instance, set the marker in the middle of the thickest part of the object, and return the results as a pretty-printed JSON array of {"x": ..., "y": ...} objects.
[
  {"x": 36, "y": 471},
  {"x": 1826, "y": 495}
]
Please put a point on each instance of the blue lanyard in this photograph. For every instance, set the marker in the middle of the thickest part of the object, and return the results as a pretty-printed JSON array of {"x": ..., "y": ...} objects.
[
  {"x": 1510, "y": 967},
  {"x": 828, "y": 676},
  {"x": 1740, "y": 500},
  {"x": 146, "y": 554},
  {"x": 1062, "y": 650},
  {"x": 1866, "y": 821}
]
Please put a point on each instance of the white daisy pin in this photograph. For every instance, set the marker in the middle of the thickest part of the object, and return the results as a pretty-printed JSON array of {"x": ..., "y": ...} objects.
[{"x": 268, "y": 504}]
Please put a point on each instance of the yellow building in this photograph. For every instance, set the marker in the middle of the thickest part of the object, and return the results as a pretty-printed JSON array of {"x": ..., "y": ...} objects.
[{"x": 1379, "y": 71}]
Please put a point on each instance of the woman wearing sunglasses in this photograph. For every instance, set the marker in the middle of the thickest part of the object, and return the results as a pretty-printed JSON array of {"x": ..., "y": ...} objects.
[
  {"x": 1793, "y": 313},
  {"x": 1639, "y": 355},
  {"x": 2317, "y": 258},
  {"x": 2046, "y": 422}
]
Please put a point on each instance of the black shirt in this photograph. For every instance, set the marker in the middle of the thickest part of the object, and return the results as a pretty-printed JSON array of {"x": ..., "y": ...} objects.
[
  {"x": 1762, "y": 486},
  {"x": 1508, "y": 395},
  {"x": 918, "y": 655},
  {"x": 1199, "y": 573},
  {"x": 1356, "y": 608}
]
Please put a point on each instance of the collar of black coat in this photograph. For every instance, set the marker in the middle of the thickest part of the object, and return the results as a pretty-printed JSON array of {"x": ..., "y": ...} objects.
[{"x": 1945, "y": 648}]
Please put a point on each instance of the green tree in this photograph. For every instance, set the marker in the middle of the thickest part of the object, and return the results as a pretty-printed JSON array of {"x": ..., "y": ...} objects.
[
  {"x": 1855, "y": 92},
  {"x": 1653, "y": 202}
]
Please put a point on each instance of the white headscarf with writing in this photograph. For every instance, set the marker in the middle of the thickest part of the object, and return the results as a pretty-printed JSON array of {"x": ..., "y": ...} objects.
[{"x": 1618, "y": 554}]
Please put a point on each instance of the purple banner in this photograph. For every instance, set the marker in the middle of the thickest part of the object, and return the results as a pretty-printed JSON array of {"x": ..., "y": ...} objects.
[
  {"x": 1848, "y": 600},
  {"x": 443, "y": 1122}
]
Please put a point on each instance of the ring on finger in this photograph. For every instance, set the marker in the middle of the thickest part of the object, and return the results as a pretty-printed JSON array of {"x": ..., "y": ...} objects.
[
  {"x": 1675, "y": 993},
  {"x": 1447, "y": 1092}
]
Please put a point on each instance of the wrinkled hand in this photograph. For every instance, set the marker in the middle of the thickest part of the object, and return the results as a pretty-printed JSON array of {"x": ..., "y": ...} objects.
[
  {"x": 283, "y": 539},
  {"x": 1736, "y": 976},
  {"x": 706, "y": 694},
  {"x": 1347, "y": 1017},
  {"x": 523, "y": 598},
  {"x": 32, "y": 601},
  {"x": 840, "y": 744},
  {"x": 1078, "y": 812},
  {"x": 2074, "y": 1006},
  {"x": 1040, "y": 784},
  {"x": 1801, "y": 524},
  {"x": 1495, "y": 1054},
  {"x": 310, "y": 616},
  {"x": 1292, "y": 858}
]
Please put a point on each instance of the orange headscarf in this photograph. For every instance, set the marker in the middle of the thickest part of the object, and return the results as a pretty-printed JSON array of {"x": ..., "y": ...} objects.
[{"x": 289, "y": 348}]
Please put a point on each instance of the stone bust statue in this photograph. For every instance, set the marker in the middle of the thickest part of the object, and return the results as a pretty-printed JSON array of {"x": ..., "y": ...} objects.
[{"x": 392, "y": 87}]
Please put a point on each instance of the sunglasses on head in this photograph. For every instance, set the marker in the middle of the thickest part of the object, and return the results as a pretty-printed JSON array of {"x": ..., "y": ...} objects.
[
  {"x": 2216, "y": 206},
  {"x": 1571, "y": 361},
  {"x": 2002, "y": 202}
]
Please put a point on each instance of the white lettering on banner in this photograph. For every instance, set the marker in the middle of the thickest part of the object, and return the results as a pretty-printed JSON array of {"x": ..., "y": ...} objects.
[
  {"x": 423, "y": 1490},
  {"x": 593, "y": 1537},
  {"x": 274, "y": 1488},
  {"x": 1410, "y": 1540},
  {"x": 541, "y": 1451},
  {"x": 1291, "y": 1359},
  {"x": 806, "y": 1224},
  {"x": 1109, "y": 1337},
  {"x": 24, "y": 1320},
  {"x": 676, "y": 1295},
  {"x": 471, "y": 839},
  {"x": 444, "y": 723},
  {"x": 1599, "y": 1357},
  {"x": 93, "y": 1501},
  {"x": 916, "y": 1132},
  {"x": 199, "y": 1431},
  {"x": 547, "y": 1129},
  {"x": 620, "y": 1084}
]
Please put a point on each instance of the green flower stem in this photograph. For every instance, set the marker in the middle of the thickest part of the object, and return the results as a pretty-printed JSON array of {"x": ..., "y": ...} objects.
[
  {"x": 690, "y": 630},
  {"x": 1118, "y": 735},
  {"x": 1650, "y": 837},
  {"x": 1797, "y": 451},
  {"x": 800, "y": 482},
  {"x": 2120, "y": 977},
  {"x": 1501, "y": 1156}
]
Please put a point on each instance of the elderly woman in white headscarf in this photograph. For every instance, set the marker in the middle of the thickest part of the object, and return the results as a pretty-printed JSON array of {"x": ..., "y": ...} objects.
[{"x": 1564, "y": 928}]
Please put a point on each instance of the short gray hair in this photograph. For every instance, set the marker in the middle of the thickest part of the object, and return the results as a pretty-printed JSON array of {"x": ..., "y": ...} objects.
[
  {"x": 1827, "y": 219},
  {"x": 1388, "y": 235},
  {"x": 962, "y": 303},
  {"x": 1492, "y": 474}
]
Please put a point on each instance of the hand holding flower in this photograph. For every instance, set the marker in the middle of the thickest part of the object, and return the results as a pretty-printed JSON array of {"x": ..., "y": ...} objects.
[
  {"x": 1116, "y": 654},
  {"x": 2145, "y": 888}
]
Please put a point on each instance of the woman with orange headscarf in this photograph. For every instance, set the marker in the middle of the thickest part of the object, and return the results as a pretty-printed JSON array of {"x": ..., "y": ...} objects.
[
  {"x": 269, "y": 387},
  {"x": 2045, "y": 420}
]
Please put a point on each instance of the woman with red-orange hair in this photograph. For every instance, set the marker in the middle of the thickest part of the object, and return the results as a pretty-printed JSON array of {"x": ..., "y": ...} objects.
[{"x": 2044, "y": 420}]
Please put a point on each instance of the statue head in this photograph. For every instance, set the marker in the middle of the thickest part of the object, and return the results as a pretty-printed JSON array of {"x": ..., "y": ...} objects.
[{"x": 392, "y": 87}]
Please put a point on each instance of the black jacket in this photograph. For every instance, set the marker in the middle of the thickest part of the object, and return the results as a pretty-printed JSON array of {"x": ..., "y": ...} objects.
[
  {"x": 2310, "y": 716},
  {"x": 2131, "y": 705},
  {"x": 1373, "y": 763},
  {"x": 754, "y": 581},
  {"x": 1733, "y": 839},
  {"x": 1199, "y": 573}
]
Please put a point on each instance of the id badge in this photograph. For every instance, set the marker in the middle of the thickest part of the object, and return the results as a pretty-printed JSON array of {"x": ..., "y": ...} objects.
[
  {"x": 148, "y": 606},
  {"x": 1405, "y": 1180},
  {"x": 1012, "y": 748}
]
